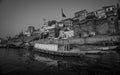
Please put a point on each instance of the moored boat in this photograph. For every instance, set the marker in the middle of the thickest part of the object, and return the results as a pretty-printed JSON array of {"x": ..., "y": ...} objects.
[{"x": 71, "y": 49}]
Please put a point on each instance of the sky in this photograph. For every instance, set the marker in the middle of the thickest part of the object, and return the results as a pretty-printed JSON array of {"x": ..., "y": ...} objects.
[{"x": 17, "y": 15}]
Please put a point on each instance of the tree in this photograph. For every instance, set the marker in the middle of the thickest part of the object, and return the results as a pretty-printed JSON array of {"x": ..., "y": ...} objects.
[
  {"x": 20, "y": 34},
  {"x": 9, "y": 37},
  {"x": 50, "y": 23}
]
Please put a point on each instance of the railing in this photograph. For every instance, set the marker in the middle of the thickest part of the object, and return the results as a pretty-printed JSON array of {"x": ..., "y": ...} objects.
[{"x": 64, "y": 46}]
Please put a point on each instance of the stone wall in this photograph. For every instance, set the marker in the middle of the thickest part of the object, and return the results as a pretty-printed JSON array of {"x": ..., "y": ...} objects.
[{"x": 102, "y": 28}]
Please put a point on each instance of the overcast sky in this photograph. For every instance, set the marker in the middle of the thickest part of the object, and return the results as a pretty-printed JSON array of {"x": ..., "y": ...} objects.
[{"x": 17, "y": 15}]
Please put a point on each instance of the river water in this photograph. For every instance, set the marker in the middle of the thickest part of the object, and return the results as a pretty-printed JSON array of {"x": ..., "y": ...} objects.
[{"x": 23, "y": 61}]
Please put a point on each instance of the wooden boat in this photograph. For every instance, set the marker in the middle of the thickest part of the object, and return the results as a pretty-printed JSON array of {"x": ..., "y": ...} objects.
[{"x": 66, "y": 50}]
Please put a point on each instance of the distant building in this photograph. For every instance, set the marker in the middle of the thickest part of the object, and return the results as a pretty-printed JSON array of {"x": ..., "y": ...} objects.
[
  {"x": 48, "y": 29},
  {"x": 91, "y": 15},
  {"x": 26, "y": 33},
  {"x": 31, "y": 29},
  {"x": 109, "y": 10},
  {"x": 81, "y": 15},
  {"x": 67, "y": 22},
  {"x": 36, "y": 32},
  {"x": 100, "y": 13},
  {"x": 87, "y": 28},
  {"x": 102, "y": 27},
  {"x": 52, "y": 22},
  {"x": 66, "y": 34},
  {"x": 113, "y": 24},
  {"x": 51, "y": 33}
]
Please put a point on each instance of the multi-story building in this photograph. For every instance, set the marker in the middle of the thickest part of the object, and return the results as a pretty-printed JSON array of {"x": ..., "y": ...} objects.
[
  {"x": 81, "y": 15},
  {"x": 109, "y": 10},
  {"x": 100, "y": 13},
  {"x": 91, "y": 15}
]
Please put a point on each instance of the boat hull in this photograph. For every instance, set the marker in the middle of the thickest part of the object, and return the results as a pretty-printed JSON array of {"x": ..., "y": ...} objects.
[
  {"x": 58, "y": 53},
  {"x": 70, "y": 53},
  {"x": 81, "y": 51}
]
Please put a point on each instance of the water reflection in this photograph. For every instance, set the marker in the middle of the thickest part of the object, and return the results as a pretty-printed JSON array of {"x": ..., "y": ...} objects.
[
  {"x": 95, "y": 64},
  {"x": 22, "y": 61}
]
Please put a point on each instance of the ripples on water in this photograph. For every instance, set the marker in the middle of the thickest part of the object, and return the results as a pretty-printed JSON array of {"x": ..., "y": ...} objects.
[{"x": 22, "y": 62}]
